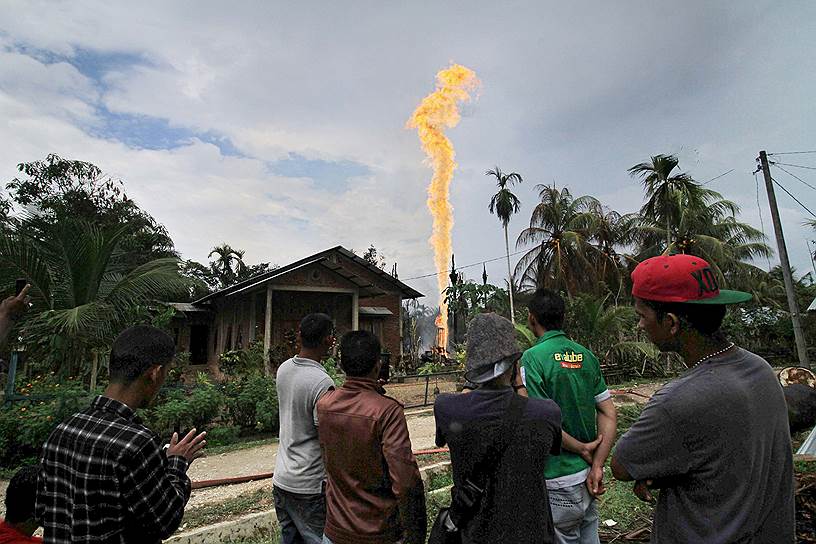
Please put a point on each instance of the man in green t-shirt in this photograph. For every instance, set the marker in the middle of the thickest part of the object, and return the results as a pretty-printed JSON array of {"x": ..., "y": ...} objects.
[{"x": 559, "y": 369}]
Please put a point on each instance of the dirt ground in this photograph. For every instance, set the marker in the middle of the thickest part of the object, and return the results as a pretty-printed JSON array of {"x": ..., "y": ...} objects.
[{"x": 421, "y": 427}]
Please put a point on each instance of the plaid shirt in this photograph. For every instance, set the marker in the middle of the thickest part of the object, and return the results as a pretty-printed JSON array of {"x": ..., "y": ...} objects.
[{"x": 104, "y": 478}]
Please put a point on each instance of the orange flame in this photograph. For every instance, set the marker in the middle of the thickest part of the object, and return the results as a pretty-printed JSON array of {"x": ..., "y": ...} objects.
[
  {"x": 438, "y": 110},
  {"x": 441, "y": 332}
]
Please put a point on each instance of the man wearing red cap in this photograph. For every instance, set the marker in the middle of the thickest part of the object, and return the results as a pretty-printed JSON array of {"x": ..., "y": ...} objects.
[{"x": 715, "y": 441}]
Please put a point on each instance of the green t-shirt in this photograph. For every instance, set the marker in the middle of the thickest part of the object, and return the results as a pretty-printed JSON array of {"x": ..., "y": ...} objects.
[{"x": 566, "y": 372}]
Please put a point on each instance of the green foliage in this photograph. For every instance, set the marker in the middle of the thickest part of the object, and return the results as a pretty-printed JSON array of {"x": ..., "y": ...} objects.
[
  {"x": 332, "y": 367},
  {"x": 223, "y": 436},
  {"x": 431, "y": 367},
  {"x": 525, "y": 337},
  {"x": 243, "y": 362},
  {"x": 82, "y": 287},
  {"x": 252, "y": 403},
  {"x": 186, "y": 411},
  {"x": 26, "y": 424}
]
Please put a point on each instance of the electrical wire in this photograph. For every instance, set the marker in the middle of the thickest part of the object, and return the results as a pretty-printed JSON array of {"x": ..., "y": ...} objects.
[
  {"x": 466, "y": 266},
  {"x": 794, "y": 165},
  {"x": 792, "y": 153},
  {"x": 718, "y": 177},
  {"x": 793, "y": 197},
  {"x": 795, "y": 176}
]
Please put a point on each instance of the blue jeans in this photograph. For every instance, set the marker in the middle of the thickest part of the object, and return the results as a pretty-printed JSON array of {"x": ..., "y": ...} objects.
[
  {"x": 301, "y": 517},
  {"x": 575, "y": 515}
]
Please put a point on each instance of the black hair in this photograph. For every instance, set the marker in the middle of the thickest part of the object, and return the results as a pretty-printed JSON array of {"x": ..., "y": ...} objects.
[
  {"x": 706, "y": 319},
  {"x": 359, "y": 353},
  {"x": 138, "y": 348},
  {"x": 548, "y": 309},
  {"x": 20, "y": 495},
  {"x": 314, "y": 328}
]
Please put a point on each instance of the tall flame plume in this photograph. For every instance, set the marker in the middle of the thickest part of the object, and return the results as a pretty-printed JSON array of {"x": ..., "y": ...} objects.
[{"x": 438, "y": 110}]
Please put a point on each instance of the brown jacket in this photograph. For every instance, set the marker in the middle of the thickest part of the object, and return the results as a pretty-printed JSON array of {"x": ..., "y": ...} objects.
[{"x": 374, "y": 493}]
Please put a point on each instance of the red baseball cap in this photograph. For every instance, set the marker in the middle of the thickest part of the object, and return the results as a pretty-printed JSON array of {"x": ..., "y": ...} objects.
[{"x": 681, "y": 278}]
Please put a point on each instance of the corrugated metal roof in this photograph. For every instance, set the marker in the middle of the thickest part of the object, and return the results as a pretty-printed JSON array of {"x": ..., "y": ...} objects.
[
  {"x": 375, "y": 311},
  {"x": 187, "y": 307}
]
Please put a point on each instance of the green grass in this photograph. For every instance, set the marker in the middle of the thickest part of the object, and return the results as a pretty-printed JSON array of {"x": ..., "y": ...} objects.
[
  {"x": 440, "y": 480},
  {"x": 245, "y": 503},
  {"x": 274, "y": 539},
  {"x": 619, "y": 503}
]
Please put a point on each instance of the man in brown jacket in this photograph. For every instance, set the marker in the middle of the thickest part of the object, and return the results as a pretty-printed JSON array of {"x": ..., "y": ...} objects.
[{"x": 375, "y": 493}]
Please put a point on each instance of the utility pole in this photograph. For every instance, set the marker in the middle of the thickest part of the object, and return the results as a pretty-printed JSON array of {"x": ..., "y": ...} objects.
[{"x": 799, "y": 336}]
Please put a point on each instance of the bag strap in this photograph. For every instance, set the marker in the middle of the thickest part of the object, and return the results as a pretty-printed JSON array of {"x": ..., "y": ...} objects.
[{"x": 512, "y": 415}]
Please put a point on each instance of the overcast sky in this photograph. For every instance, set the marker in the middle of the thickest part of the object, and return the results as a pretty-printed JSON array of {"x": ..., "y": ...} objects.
[{"x": 280, "y": 127}]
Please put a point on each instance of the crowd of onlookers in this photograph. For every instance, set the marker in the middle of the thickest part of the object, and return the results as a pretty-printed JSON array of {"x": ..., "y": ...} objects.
[{"x": 529, "y": 438}]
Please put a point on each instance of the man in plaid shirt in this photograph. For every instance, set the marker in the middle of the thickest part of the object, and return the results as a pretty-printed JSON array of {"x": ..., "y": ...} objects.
[{"x": 103, "y": 475}]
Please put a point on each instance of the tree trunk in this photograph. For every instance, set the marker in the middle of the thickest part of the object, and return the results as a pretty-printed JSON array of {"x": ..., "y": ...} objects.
[
  {"x": 509, "y": 276},
  {"x": 94, "y": 369}
]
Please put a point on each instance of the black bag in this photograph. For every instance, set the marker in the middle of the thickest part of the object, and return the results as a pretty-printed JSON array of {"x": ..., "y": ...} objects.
[{"x": 465, "y": 499}]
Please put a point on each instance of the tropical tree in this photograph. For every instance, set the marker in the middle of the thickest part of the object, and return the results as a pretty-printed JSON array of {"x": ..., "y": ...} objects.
[
  {"x": 505, "y": 204},
  {"x": 609, "y": 232},
  {"x": 666, "y": 191},
  {"x": 55, "y": 190},
  {"x": 83, "y": 287},
  {"x": 228, "y": 264},
  {"x": 706, "y": 225},
  {"x": 561, "y": 257}
]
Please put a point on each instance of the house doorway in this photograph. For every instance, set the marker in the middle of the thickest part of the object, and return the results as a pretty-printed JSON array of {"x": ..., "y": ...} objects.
[{"x": 199, "y": 336}]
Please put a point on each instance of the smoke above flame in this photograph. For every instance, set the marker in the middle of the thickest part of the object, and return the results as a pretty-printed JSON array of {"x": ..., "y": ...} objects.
[{"x": 438, "y": 110}]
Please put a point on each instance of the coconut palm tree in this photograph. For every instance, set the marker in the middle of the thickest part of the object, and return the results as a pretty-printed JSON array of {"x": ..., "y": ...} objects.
[
  {"x": 504, "y": 204},
  {"x": 561, "y": 257},
  {"x": 609, "y": 232},
  {"x": 84, "y": 290},
  {"x": 706, "y": 225},
  {"x": 666, "y": 191}
]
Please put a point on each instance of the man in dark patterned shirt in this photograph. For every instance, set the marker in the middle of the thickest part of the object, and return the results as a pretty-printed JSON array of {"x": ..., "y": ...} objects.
[{"x": 103, "y": 475}]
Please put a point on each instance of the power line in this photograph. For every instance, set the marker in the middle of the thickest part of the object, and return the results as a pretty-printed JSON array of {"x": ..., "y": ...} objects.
[
  {"x": 795, "y": 176},
  {"x": 792, "y": 153},
  {"x": 795, "y": 165},
  {"x": 793, "y": 197},
  {"x": 718, "y": 177},
  {"x": 466, "y": 266}
]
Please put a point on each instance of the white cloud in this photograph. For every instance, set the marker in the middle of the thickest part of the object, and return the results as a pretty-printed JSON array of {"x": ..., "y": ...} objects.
[{"x": 572, "y": 94}]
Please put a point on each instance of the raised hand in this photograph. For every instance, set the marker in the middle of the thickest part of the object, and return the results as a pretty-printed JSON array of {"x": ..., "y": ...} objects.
[
  {"x": 191, "y": 447},
  {"x": 15, "y": 306}
]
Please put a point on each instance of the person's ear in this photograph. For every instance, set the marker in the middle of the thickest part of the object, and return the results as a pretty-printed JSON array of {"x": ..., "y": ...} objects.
[
  {"x": 674, "y": 326},
  {"x": 154, "y": 374}
]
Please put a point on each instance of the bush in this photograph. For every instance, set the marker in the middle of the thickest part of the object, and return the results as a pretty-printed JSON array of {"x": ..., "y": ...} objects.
[
  {"x": 243, "y": 362},
  {"x": 194, "y": 410},
  {"x": 252, "y": 403},
  {"x": 222, "y": 436},
  {"x": 25, "y": 425}
]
